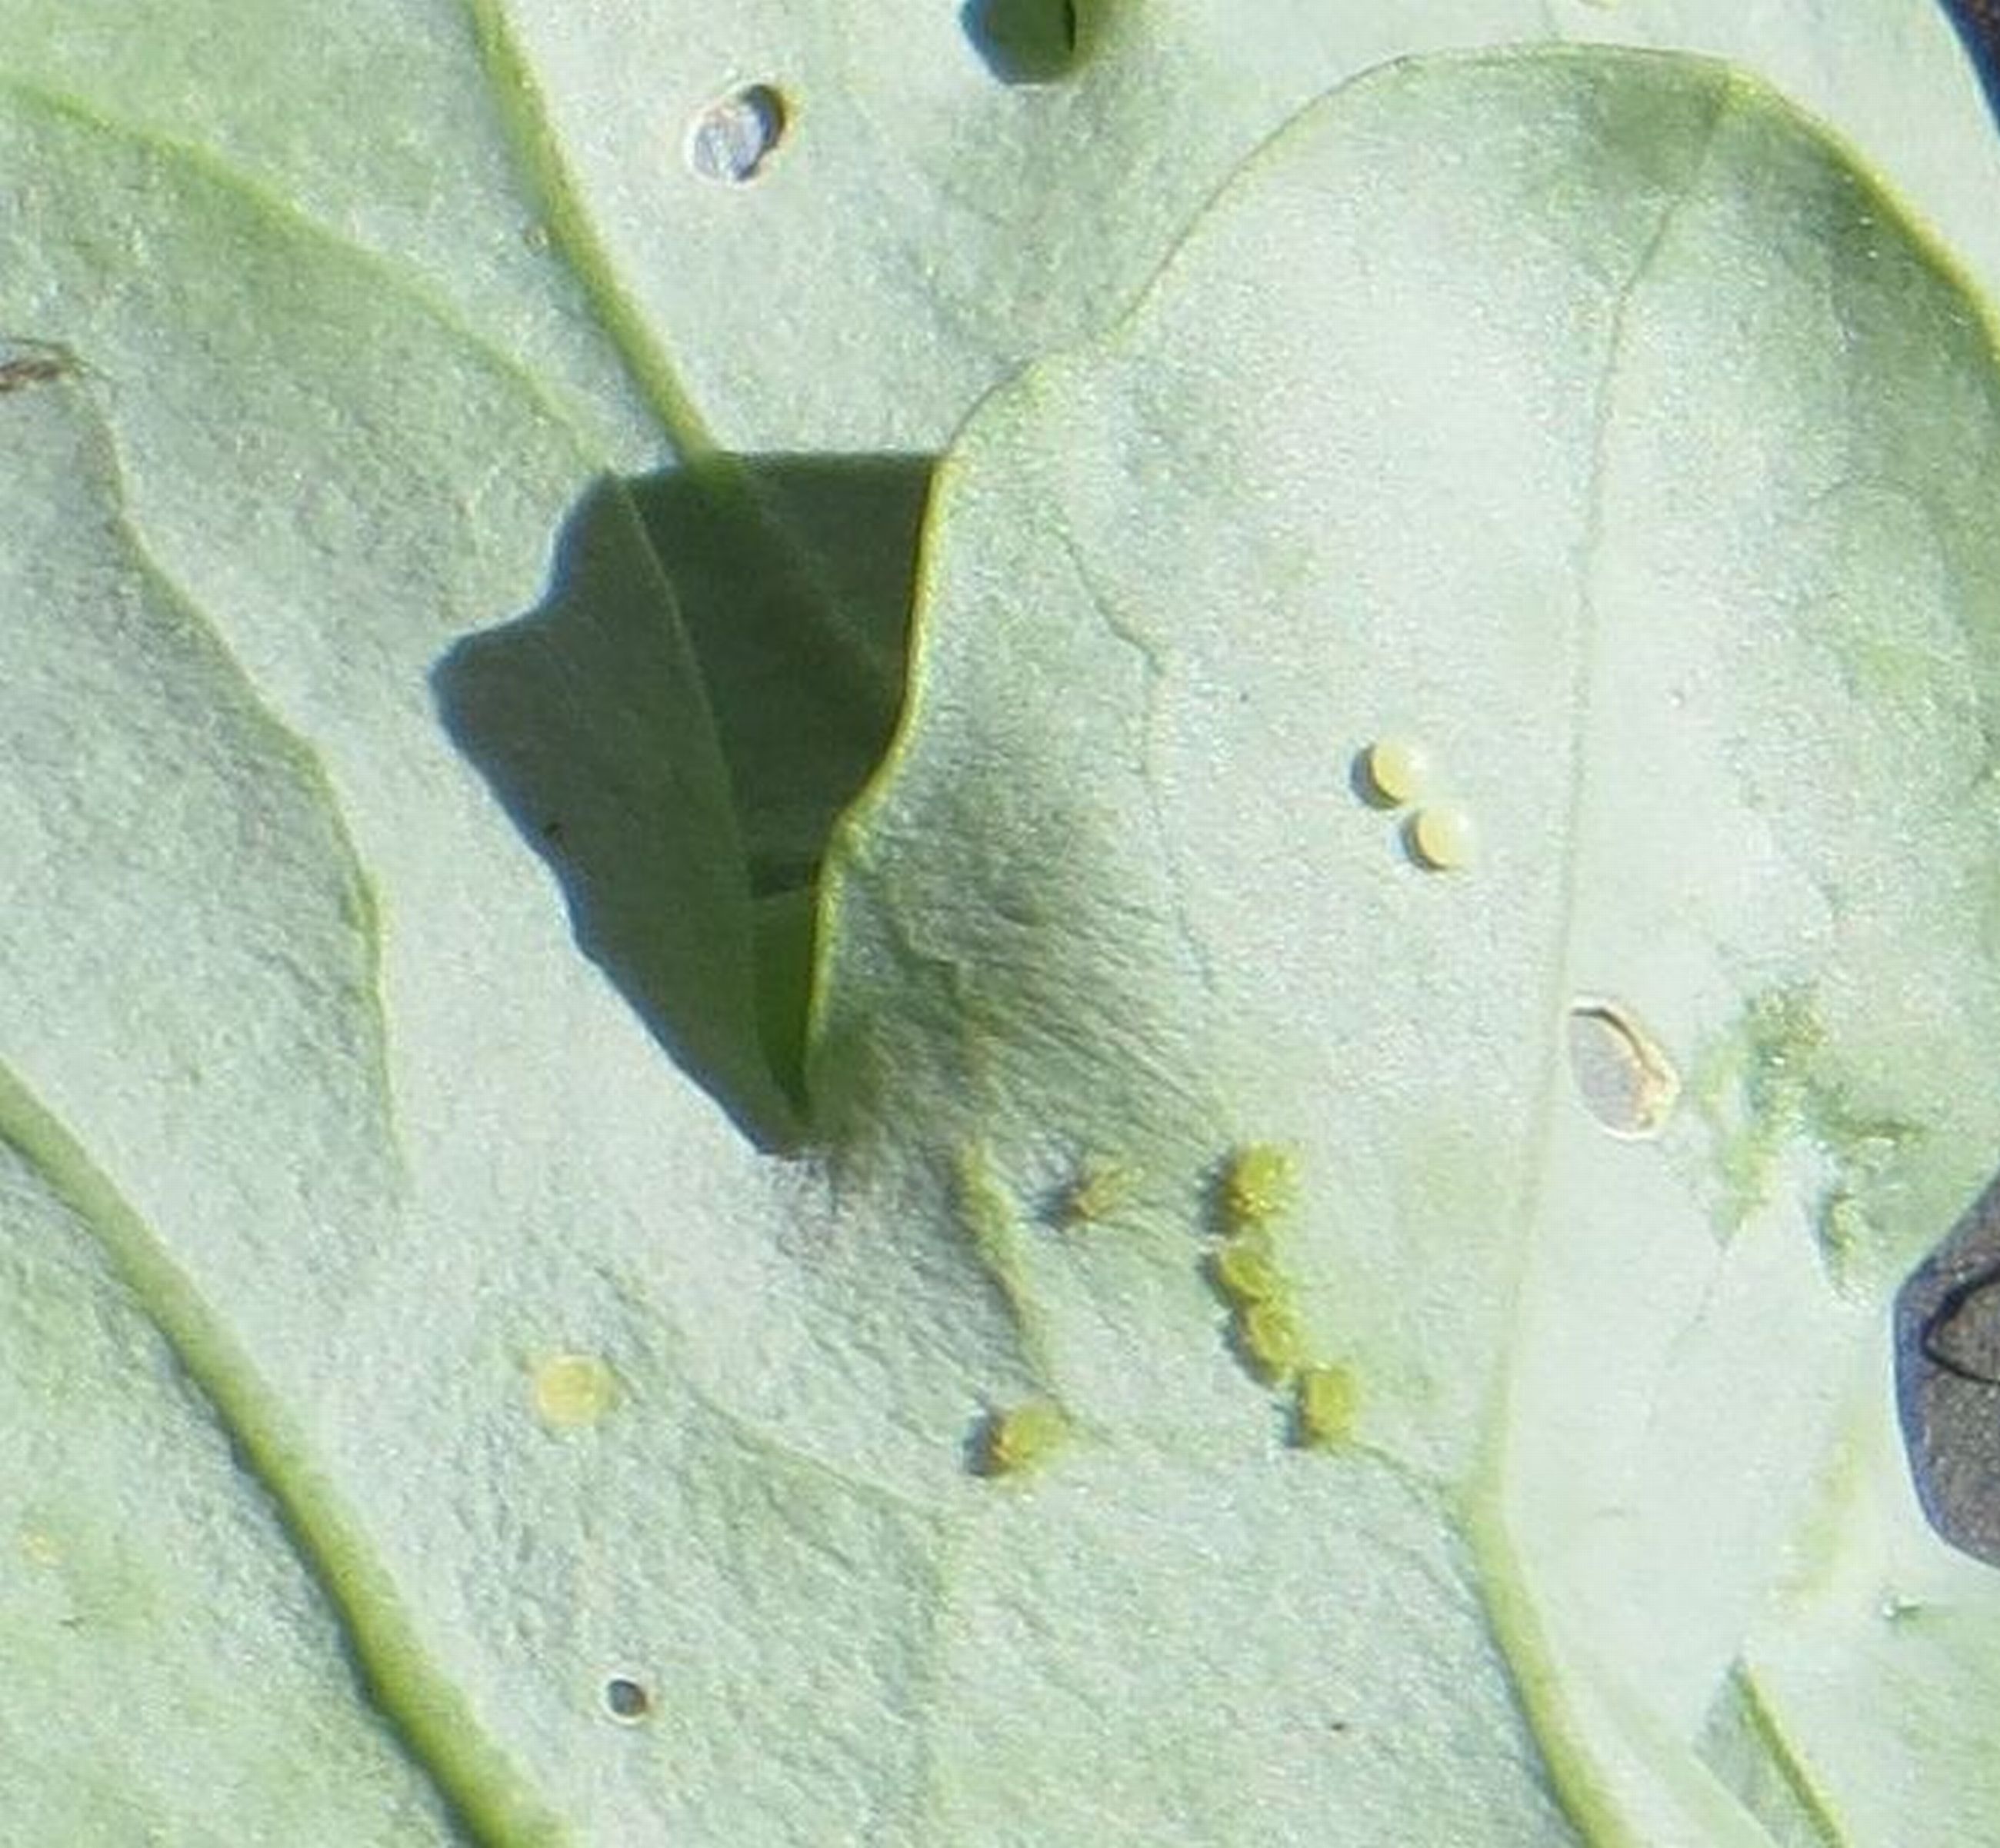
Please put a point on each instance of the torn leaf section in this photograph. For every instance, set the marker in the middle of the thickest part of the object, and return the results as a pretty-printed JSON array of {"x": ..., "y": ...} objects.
[
  {"x": 589, "y": 720},
  {"x": 1024, "y": 41}
]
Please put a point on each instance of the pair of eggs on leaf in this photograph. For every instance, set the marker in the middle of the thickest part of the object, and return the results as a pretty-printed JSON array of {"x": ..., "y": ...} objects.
[{"x": 1400, "y": 772}]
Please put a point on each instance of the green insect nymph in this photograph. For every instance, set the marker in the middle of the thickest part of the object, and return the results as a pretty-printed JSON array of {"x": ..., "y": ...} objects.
[
  {"x": 1271, "y": 1341},
  {"x": 1324, "y": 1408},
  {"x": 1022, "y": 1437},
  {"x": 1259, "y": 1184},
  {"x": 1245, "y": 1270}
]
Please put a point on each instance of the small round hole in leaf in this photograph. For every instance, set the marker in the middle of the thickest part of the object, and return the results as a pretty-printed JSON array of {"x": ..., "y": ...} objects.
[
  {"x": 1622, "y": 1076},
  {"x": 729, "y": 141},
  {"x": 627, "y": 1699}
]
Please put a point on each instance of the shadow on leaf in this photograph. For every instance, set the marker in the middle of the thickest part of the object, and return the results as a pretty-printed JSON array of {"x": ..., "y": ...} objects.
[
  {"x": 1978, "y": 23},
  {"x": 716, "y": 671}
]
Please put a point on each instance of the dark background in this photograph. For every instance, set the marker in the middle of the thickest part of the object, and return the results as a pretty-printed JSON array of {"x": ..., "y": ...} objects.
[{"x": 1978, "y": 23}]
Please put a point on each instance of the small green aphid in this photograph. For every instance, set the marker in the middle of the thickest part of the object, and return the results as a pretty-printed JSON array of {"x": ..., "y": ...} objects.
[
  {"x": 1245, "y": 1269},
  {"x": 1022, "y": 1436},
  {"x": 1099, "y": 1190},
  {"x": 1270, "y": 1341},
  {"x": 1258, "y": 1185},
  {"x": 1324, "y": 1407}
]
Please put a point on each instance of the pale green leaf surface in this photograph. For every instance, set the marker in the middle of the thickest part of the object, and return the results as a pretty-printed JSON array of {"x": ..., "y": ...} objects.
[
  {"x": 921, "y": 229},
  {"x": 307, "y": 1058},
  {"x": 1658, "y": 515},
  {"x": 955, "y": 226},
  {"x": 386, "y": 125},
  {"x": 171, "y": 1676},
  {"x": 1875, "y": 1625}
]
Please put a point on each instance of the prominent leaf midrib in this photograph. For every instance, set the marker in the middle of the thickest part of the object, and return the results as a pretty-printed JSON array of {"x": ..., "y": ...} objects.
[
  {"x": 524, "y": 122},
  {"x": 1510, "y": 1602},
  {"x": 490, "y": 1801}
]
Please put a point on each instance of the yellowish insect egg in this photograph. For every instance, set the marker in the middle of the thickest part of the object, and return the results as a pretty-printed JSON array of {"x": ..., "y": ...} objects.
[
  {"x": 1259, "y": 1184},
  {"x": 1023, "y": 1435},
  {"x": 1399, "y": 770},
  {"x": 41, "y": 1547},
  {"x": 1270, "y": 1340},
  {"x": 571, "y": 1390},
  {"x": 1442, "y": 838},
  {"x": 1326, "y": 1402},
  {"x": 1245, "y": 1269}
]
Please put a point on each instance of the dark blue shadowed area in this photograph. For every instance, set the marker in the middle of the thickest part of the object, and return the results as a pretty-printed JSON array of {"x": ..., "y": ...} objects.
[{"x": 1978, "y": 23}]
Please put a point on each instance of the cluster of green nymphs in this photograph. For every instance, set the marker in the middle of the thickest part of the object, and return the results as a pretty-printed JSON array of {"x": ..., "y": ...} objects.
[{"x": 1255, "y": 1193}]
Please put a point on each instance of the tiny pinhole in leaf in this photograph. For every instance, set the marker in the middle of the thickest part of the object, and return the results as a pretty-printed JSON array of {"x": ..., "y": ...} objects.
[{"x": 626, "y": 1700}]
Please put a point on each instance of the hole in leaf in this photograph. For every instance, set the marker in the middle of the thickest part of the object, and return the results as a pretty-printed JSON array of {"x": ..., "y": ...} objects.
[
  {"x": 1622, "y": 1076},
  {"x": 1023, "y": 41},
  {"x": 714, "y": 673},
  {"x": 627, "y": 1699},
  {"x": 731, "y": 140}
]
